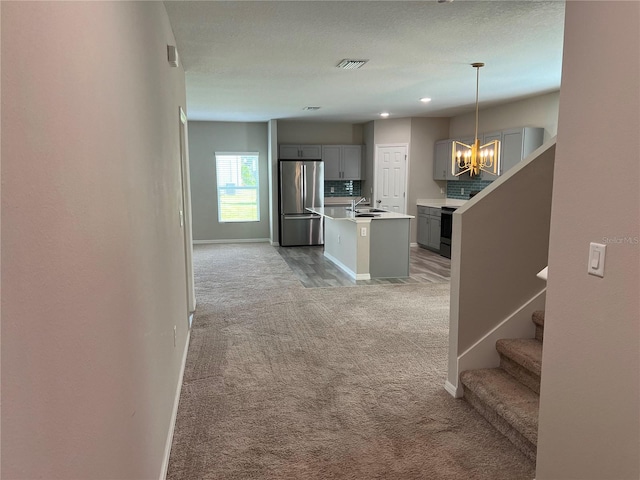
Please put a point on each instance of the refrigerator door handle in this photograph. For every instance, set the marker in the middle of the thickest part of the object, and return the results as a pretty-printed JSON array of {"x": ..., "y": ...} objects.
[
  {"x": 304, "y": 184},
  {"x": 301, "y": 217}
]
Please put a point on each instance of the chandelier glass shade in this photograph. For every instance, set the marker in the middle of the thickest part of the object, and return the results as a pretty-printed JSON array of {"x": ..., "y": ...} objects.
[{"x": 475, "y": 158}]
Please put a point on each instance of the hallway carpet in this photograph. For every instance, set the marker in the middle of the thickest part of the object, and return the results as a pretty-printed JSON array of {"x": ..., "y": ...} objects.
[{"x": 285, "y": 382}]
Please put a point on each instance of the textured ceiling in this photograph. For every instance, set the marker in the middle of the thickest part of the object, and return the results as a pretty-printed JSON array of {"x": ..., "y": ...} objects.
[{"x": 261, "y": 60}]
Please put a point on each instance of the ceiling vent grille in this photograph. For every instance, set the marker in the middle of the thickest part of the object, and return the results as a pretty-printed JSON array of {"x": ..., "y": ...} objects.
[
  {"x": 311, "y": 108},
  {"x": 347, "y": 64}
]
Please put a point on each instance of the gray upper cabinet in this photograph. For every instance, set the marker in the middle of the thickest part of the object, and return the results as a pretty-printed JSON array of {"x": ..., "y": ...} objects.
[
  {"x": 331, "y": 159},
  {"x": 517, "y": 143},
  {"x": 442, "y": 161},
  {"x": 352, "y": 162},
  {"x": 342, "y": 162},
  {"x": 486, "y": 138},
  {"x": 300, "y": 152},
  {"x": 467, "y": 176},
  {"x": 490, "y": 137}
]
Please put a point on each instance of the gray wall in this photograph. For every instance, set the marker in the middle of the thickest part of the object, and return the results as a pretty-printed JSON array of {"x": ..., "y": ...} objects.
[
  {"x": 274, "y": 220},
  {"x": 424, "y": 133},
  {"x": 368, "y": 139},
  {"x": 392, "y": 130},
  {"x": 93, "y": 258},
  {"x": 206, "y": 138},
  {"x": 323, "y": 133},
  {"x": 420, "y": 135},
  {"x": 590, "y": 393}
]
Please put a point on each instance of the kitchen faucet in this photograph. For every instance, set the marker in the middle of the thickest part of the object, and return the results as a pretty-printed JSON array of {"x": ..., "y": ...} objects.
[{"x": 354, "y": 204}]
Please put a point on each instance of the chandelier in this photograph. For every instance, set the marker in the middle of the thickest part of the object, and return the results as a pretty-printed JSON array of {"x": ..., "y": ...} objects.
[{"x": 475, "y": 158}]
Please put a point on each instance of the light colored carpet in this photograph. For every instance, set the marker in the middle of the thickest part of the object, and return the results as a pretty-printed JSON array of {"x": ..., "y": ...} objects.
[{"x": 284, "y": 382}]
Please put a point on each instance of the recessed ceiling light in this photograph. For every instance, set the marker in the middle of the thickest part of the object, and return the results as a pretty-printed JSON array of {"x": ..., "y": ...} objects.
[
  {"x": 425, "y": 99},
  {"x": 384, "y": 114},
  {"x": 311, "y": 108}
]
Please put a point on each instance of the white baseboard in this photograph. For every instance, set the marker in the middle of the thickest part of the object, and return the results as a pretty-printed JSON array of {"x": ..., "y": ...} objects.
[
  {"x": 232, "y": 240},
  {"x": 413, "y": 244},
  {"x": 455, "y": 392},
  {"x": 174, "y": 413},
  {"x": 346, "y": 269},
  {"x": 275, "y": 244}
]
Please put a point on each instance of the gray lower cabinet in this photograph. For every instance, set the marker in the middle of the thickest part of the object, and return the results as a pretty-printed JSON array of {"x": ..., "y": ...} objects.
[
  {"x": 428, "y": 232},
  {"x": 423, "y": 230},
  {"x": 434, "y": 232}
]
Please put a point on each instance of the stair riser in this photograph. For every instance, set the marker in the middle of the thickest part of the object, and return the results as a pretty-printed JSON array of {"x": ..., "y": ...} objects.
[
  {"x": 515, "y": 437},
  {"x": 520, "y": 373}
]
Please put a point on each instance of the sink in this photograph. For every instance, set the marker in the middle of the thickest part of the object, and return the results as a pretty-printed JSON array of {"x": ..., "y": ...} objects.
[
  {"x": 369, "y": 210},
  {"x": 367, "y": 215}
]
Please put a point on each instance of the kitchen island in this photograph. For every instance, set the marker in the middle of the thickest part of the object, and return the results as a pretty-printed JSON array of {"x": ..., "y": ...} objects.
[{"x": 367, "y": 243}]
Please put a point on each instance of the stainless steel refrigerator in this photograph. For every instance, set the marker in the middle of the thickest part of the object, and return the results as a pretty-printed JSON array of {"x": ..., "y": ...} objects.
[{"x": 301, "y": 186}]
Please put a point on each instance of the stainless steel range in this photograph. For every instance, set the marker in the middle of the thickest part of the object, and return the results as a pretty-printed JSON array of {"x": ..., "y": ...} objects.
[{"x": 446, "y": 227}]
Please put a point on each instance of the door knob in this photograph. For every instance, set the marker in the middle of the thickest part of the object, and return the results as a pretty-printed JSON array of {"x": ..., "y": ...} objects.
[{"x": 378, "y": 201}]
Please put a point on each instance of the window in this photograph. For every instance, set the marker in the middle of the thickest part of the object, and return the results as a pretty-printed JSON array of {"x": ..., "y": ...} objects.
[{"x": 237, "y": 175}]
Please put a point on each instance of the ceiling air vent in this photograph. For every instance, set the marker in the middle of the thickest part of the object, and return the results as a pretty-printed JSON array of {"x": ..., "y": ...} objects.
[
  {"x": 347, "y": 64},
  {"x": 311, "y": 108}
]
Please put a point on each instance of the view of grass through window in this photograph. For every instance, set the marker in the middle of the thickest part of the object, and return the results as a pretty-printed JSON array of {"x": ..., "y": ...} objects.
[{"x": 237, "y": 184}]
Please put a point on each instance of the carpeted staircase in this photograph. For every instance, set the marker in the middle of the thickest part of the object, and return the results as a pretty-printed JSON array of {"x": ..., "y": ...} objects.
[{"x": 508, "y": 396}]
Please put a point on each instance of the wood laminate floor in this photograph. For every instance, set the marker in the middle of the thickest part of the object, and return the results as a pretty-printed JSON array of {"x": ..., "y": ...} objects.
[{"x": 314, "y": 270}]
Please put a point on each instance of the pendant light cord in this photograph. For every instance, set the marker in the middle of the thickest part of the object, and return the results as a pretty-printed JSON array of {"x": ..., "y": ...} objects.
[{"x": 477, "y": 93}]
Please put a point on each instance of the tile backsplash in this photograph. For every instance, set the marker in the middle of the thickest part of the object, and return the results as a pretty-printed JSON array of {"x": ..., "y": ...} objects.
[
  {"x": 342, "y": 188},
  {"x": 349, "y": 188},
  {"x": 454, "y": 188}
]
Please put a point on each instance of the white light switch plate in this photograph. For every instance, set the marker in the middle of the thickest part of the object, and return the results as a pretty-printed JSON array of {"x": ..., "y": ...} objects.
[{"x": 596, "y": 259}]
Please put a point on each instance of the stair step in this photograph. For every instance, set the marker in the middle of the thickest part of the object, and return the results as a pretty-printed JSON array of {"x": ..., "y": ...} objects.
[
  {"x": 507, "y": 404},
  {"x": 538, "y": 319},
  {"x": 522, "y": 358}
]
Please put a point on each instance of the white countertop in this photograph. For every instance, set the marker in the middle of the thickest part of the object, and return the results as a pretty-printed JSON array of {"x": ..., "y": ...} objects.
[
  {"x": 341, "y": 213},
  {"x": 440, "y": 202}
]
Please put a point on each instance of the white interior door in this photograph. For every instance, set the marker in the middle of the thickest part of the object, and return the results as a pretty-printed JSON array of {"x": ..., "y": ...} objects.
[
  {"x": 391, "y": 178},
  {"x": 186, "y": 216}
]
